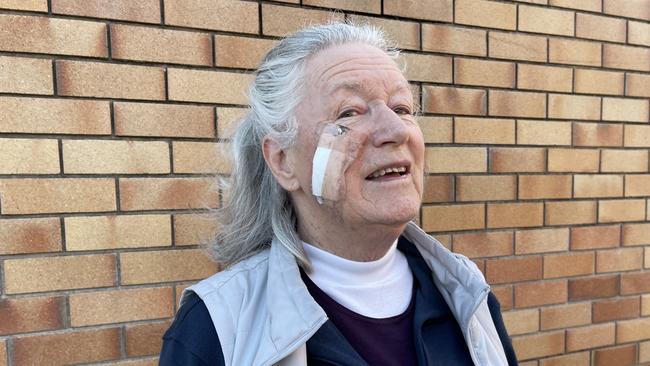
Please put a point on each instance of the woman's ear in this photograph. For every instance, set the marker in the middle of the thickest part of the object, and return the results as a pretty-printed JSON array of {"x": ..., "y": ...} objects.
[{"x": 278, "y": 161}]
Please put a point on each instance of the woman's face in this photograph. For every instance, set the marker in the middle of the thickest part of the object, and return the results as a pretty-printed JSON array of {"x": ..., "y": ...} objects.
[{"x": 358, "y": 86}]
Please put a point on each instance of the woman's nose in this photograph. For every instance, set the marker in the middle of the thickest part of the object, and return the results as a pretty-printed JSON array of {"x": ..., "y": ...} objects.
[{"x": 387, "y": 127}]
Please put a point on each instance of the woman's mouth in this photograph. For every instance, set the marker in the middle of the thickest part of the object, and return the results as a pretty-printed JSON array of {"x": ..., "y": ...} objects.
[{"x": 388, "y": 173}]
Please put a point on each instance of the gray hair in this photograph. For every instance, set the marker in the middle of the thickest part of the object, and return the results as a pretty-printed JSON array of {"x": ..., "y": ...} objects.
[{"x": 257, "y": 208}]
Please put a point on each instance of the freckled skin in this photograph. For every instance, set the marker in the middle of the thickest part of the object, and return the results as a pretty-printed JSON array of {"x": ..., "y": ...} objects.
[{"x": 377, "y": 103}]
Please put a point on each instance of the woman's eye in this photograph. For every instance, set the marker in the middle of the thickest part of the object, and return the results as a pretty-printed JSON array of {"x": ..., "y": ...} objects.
[
  {"x": 402, "y": 110},
  {"x": 348, "y": 113}
]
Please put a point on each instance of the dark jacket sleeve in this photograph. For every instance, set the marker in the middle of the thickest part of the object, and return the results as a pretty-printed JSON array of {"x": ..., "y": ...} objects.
[
  {"x": 191, "y": 340},
  {"x": 495, "y": 311}
]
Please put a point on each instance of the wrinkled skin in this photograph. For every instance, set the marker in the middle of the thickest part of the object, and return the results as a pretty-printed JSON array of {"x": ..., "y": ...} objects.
[{"x": 360, "y": 87}]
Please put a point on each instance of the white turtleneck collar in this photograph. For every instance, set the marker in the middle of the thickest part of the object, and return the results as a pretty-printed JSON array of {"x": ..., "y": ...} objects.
[{"x": 377, "y": 289}]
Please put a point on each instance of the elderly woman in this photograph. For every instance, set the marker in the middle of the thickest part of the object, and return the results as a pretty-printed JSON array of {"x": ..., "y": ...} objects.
[{"x": 322, "y": 264}]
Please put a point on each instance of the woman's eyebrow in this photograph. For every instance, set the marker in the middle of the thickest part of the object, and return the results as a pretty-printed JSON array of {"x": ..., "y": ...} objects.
[{"x": 358, "y": 87}]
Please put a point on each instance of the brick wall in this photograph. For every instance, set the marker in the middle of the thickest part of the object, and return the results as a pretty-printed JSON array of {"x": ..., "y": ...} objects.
[{"x": 535, "y": 114}]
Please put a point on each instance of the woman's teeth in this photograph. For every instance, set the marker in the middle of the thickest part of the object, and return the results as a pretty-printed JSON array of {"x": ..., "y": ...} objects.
[{"x": 382, "y": 172}]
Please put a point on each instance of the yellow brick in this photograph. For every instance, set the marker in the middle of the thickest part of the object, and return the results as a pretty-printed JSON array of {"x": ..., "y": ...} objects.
[
  {"x": 569, "y": 264},
  {"x": 117, "y": 231},
  {"x": 441, "y": 10},
  {"x": 539, "y": 345},
  {"x": 621, "y": 210},
  {"x": 30, "y": 236},
  {"x": 541, "y": 241},
  {"x": 548, "y": 78},
  {"x": 636, "y": 234},
  {"x": 626, "y": 57},
  {"x": 573, "y": 106},
  {"x": 25, "y": 75},
  {"x": 192, "y": 229},
  {"x": 506, "y": 160},
  {"x": 209, "y": 14},
  {"x": 451, "y": 39},
  {"x": 570, "y": 51},
  {"x": 200, "y": 157},
  {"x": 573, "y": 359},
  {"x": 501, "y": 215},
  {"x": 590, "y": 5},
  {"x": 631, "y": 8},
  {"x": 543, "y": 133},
  {"x": 564, "y": 316},
  {"x": 241, "y": 52},
  {"x": 29, "y": 156},
  {"x": 428, "y": 68},
  {"x": 570, "y": 213},
  {"x": 517, "y": 46},
  {"x": 638, "y": 33},
  {"x": 31, "y": 5},
  {"x": 117, "y": 157},
  {"x": 117, "y": 306},
  {"x": 644, "y": 351},
  {"x": 154, "y": 119},
  {"x": 3, "y": 353},
  {"x": 620, "y": 109},
  {"x": 59, "y": 273},
  {"x": 145, "y": 11},
  {"x": 436, "y": 129},
  {"x": 619, "y": 260},
  {"x": 637, "y": 185},
  {"x": 590, "y": 336},
  {"x": 517, "y": 104},
  {"x": 94, "y": 79},
  {"x": 454, "y": 100},
  {"x": 167, "y": 193},
  {"x": 637, "y": 85},
  {"x": 50, "y": 195},
  {"x": 208, "y": 86},
  {"x": 38, "y": 34},
  {"x": 165, "y": 266},
  {"x": 600, "y": 28},
  {"x": 366, "y": 6},
  {"x": 544, "y": 186},
  {"x": 597, "y": 185},
  {"x": 485, "y": 187},
  {"x": 573, "y": 160},
  {"x": 227, "y": 120},
  {"x": 590, "y": 81},
  {"x": 160, "y": 45},
  {"x": 484, "y": 131},
  {"x": 488, "y": 14},
  {"x": 486, "y": 73},
  {"x": 543, "y": 20},
  {"x": 597, "y": 134},
  {"x": 456, "y": 159},
  {"x": 405, "y": 34},
  {"x": 521, "y": 321},
  {"x": 54, "y": 116},
  {"x": 628, "y": 161},
  {"x": 453, "y": 217},
  {"x": 484, "y": 244},
  {"x": 633, "y": 330},
  {"x": 282, "y": 20}
]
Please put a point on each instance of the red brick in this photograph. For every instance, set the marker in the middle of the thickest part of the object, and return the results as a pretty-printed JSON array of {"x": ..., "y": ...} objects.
[
  {"x": 517, "y": 46},
  {"x": 160, "y": 45},
  {"x": 511, "y": 270},
  {"x": 573, "y": 160},
  {"x": 154, "y": 119},
  {"x": 165, "y": 266},
  {"x": 78, "y": 346},
  {"x": 31, "y": 314},
  {"x": 621, "y": 210},
  {"x": 449, "y": 100},
  {"x": 590, "y": 337},
  {"x": 598, "y": 185},
  {"x": 473, "y": 12},
  {"x": 549, "y": 78},
  {"x": 484, "y": 73},
  {"x": 544, "y": 20},
  {"x": 593, "y": 287},
  {"x": 619, "y": 356},
  {"x": 504, "y": 295},
  {"x": 208, "y": 14},
  {"x": 208, "y": 86},
  {"x": 145, "y": 339},
  {"x": 29, "y": 156},
  {"x": 30, "y": 5},
  {"x": 637, "y": 85},
  {"x": 635, "y": 283},
  {"x": 539, "y": 345},
  {"x": 25, "y": 75},
  {"x": 595, "y": 237},
  {"x": 570, "y": 212},
  {"x": 633, "y": 8},
  {"x": 619, "y": 260},
  {"x": 484, "y": 244},
  {"x": 590, "y": 81},
  {"x": 428, "y": 68},
  {"x": 568, "y": 265},
  {"x": 620, "y": 109},
  {"x": 484, "y": 131},
  {"x": 637, "y": 136},
  {"x": 597, "y": 134},
  {"x": 166, "y": 193},
  {"x": 565, "y": 316},
  {"x": 44, "y": 195},
  {"x": 627, "y": 161},
  {"x": 54, "y": 116},
  {"x": 636, "y": 234},
  {"x": 453, "y": 217},
  {"x": 573, "y": 106},
  {"x": 575, "y": 52},
  {"x": 456, "y": 159},
  {"x": 544, "y": 186},
  {"x": 452, "y": 39},
  {"x": 30, "y": 236},
  {"x": 517, "y": 104},
  {"x": 405, "y": 34},
  {"x": 37, "y": 34},
  {"x": 283, "y": 20},
  {"x": 515, "y": 215},
  {"x": 609, "y": 310},
  {"x": 600, "y": 28},
  {"x": 508, "y": 160},
  {"x": 94, "y": 79},
  {"x": 486, "y": 187},
  {"x": 441, "y": 10},
  {"x": 626, "y": 57},
  {"x": 438, "y": 189},
  {"x": 145, "y": 11}
]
